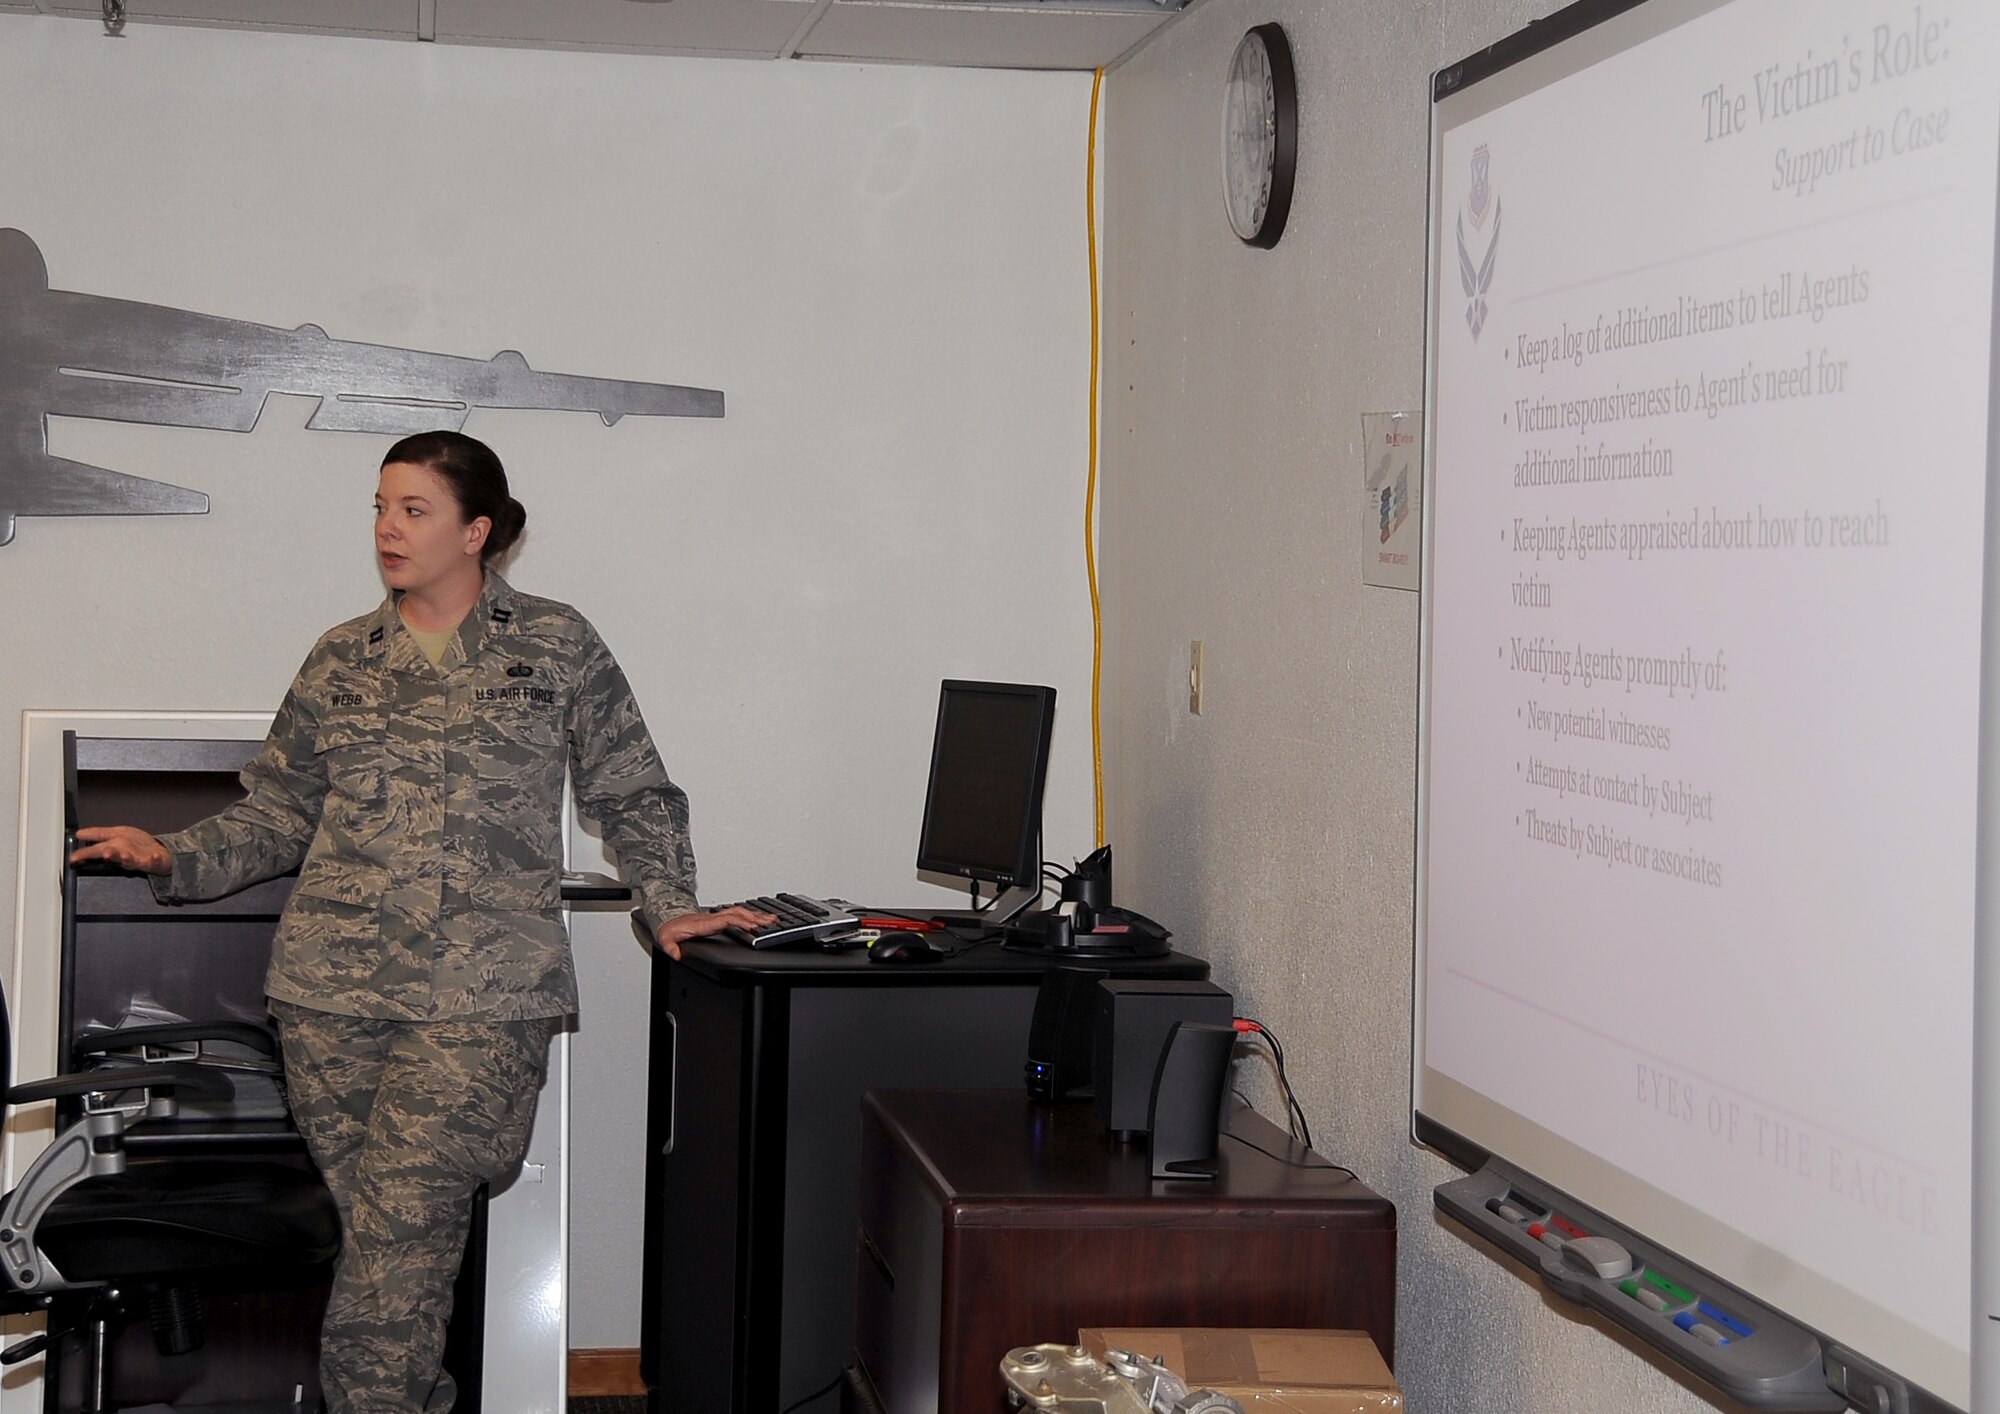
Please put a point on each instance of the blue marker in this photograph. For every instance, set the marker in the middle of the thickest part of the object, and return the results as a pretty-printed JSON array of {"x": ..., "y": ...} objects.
[
  {"x": 1723, "y": 1319},
  {"x": 1686, "y": 1321}
]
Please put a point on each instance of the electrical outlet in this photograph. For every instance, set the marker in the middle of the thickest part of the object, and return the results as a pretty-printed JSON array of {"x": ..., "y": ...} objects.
[{"x": 1194, "y": 677}]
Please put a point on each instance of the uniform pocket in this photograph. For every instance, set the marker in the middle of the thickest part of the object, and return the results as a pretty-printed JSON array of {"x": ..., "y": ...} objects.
[
  {"x": 342, "y": 881},
  {"x": 523, "y": 745},
  {"x": 519, "y": 891},
  {"x": 355, "y": 756}
]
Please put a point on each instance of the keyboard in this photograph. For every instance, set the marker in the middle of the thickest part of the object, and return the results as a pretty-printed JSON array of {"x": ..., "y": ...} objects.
[{"x": 801, "y": 921}]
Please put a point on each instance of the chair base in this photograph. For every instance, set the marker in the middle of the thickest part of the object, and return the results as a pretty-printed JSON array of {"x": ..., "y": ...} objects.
[{"x": 103, "y": 1359}]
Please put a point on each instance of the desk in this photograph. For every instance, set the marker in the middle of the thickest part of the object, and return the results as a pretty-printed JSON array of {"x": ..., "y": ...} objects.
[
  {"x": 990, "y": 1221},
  {"x": 758, "y": 1061}
]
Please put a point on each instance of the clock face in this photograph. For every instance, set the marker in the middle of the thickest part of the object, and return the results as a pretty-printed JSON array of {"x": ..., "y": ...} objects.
[
  {"x": 1259, "y": 135},
  {"x": 1249, "y": 137}
]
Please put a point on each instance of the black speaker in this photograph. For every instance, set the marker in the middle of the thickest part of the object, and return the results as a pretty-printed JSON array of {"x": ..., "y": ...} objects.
[
  {"x": 1133, "y": 1019},
  {"x": 1186, "y": 1117},
  {"x": 1059, "y": 1036}
]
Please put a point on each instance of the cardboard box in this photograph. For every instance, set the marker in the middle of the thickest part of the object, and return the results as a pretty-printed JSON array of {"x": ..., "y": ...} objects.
[{"x": 1267, "y": 1371}]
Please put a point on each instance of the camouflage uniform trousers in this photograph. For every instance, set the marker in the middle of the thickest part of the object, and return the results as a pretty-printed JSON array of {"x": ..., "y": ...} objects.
[{"x": 405, "y": 1120}]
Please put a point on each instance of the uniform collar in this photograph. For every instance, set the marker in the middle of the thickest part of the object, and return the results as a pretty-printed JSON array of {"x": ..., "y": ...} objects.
[{"x": 491, "y": 617}]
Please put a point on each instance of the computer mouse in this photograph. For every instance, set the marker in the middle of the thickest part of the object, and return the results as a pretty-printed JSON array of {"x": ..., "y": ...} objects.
[{"x": 899, "y": 946}]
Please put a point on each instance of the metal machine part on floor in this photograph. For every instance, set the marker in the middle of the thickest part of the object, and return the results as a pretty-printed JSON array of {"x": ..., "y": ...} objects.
[{"x": 1070, "y": 1380}]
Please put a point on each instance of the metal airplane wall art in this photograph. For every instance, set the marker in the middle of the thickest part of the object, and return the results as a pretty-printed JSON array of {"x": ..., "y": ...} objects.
[{"x": 66, "y": 354}]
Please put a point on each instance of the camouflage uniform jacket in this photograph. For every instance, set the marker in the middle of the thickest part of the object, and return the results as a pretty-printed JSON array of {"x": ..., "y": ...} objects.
[{"x": 423, "y": 809}]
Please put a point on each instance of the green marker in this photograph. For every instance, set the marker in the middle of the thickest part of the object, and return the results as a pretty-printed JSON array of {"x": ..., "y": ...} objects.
[
  {"x": 1645, "y": 1295},
  {"x": 1679, "y": 1293}
]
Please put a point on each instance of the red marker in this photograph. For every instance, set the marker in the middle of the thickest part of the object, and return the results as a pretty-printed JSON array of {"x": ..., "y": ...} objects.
[{"x": 1547, "y": 1236}]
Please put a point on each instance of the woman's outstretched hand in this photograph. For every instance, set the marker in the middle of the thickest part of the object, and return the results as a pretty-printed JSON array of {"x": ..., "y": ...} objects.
[{"x": 123, "y": 845}]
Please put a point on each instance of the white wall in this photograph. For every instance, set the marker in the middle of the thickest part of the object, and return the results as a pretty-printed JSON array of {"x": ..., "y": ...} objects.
[
  {"x": 882, "y": 267},
  {"x": 1276, "y": 830}
]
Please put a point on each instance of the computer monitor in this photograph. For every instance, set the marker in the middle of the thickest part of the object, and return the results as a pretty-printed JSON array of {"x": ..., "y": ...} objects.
[{"x": 983, "y": 809}]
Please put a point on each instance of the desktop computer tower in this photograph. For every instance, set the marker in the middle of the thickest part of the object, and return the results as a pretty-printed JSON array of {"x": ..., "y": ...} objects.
[{"x": 1062, "y": 1032}]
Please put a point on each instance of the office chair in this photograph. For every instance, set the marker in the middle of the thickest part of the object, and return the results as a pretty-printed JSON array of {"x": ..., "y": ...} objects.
[{"x": 85, "y": 1232}]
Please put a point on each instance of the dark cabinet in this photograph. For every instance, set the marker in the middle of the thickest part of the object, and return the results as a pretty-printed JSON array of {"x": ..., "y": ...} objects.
[
  {"x": 989, "y": 1221},
  {"x": 758, "y": 1064}
]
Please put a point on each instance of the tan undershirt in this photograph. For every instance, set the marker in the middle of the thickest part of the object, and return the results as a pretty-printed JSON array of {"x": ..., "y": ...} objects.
[{"x": 431, "y": 642}]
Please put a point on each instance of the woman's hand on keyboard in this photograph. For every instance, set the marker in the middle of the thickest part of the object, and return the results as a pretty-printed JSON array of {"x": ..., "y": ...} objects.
[{"x": 700, "y": 924}]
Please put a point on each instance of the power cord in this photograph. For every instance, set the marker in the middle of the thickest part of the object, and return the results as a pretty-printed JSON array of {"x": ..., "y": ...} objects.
[
  {"x": 1295, "y": 1115},
  {"x": 1090, "y": 482},
  {"x": 986, "y": 939},
  {"x": 822, "y": 1391},
  {"x": 1289, "y": 1163}
]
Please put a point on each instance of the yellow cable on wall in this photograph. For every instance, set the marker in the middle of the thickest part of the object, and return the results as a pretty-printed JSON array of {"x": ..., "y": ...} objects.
[{"x": 1090, "y": 489}]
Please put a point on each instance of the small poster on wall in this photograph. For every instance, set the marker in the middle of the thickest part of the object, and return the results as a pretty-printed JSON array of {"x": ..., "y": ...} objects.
[{"x": 1392, "y": 479}]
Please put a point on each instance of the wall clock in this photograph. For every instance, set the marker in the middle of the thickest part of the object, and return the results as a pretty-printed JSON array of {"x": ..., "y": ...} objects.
[{"x": 1260, "y": 135}]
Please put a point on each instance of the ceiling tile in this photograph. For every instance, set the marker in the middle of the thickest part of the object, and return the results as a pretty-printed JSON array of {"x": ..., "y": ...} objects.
[
  {"x": 989, "y": 36},
  {"x": 352, "y": 17},
  {"x": 1053, "y": 34},
  {"x": 760, "y": 27}
]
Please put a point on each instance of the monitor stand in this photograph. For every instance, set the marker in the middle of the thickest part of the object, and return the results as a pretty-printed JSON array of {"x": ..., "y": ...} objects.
[{"x": 1004, "y": 909}]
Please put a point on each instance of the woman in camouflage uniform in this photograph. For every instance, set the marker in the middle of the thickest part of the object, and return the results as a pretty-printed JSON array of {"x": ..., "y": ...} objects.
[{"x": 414, "y": 776}]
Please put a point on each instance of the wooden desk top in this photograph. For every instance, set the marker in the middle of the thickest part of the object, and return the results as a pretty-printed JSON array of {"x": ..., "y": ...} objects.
[{"x": 994, "y": 1156}]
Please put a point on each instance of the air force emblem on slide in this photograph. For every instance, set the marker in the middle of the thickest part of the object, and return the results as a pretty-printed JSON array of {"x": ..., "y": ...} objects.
[{"x": 1478, "y": 279}]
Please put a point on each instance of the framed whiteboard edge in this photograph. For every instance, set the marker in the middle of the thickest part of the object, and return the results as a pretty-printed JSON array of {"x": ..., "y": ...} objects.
[{"x": 1440, "y": 1132}]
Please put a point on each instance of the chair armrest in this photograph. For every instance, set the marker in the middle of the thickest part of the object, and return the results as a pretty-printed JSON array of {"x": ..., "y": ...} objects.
[
  {"x": 93, "y": 1147},
  {"x": 242, "y": 1033},
  {"x": 180, "y": 1075}
]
